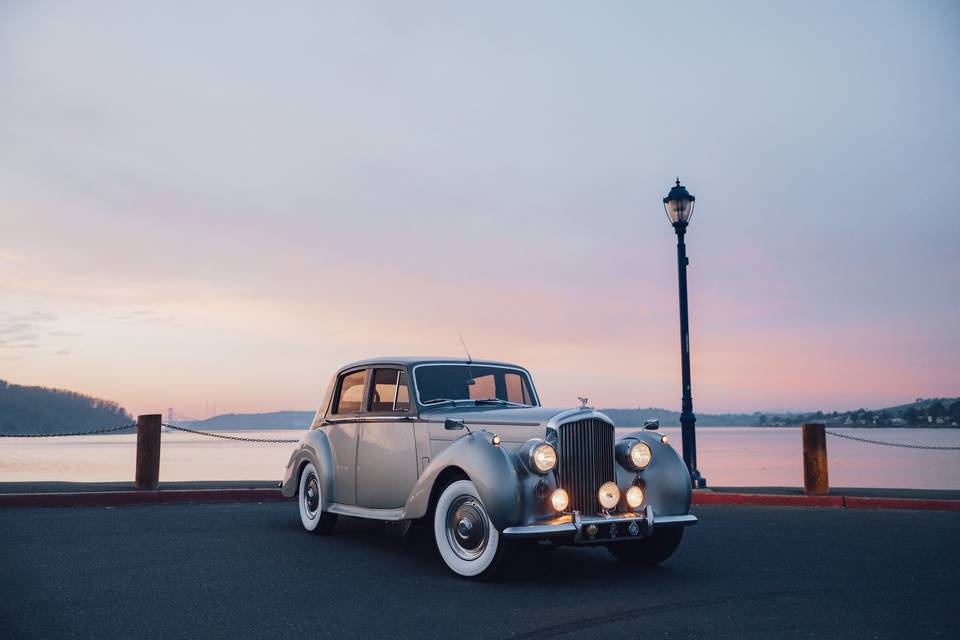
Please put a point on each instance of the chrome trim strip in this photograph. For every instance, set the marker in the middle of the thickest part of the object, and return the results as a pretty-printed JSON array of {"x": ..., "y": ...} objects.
[
  {"x": 539, "y": 530},
  {"x": 675, "y": 521},
  {"x": 416, "y": 390}
]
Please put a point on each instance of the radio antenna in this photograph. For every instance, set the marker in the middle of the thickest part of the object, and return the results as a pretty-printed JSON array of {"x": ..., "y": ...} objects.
[{"x": 469, "y": 359}]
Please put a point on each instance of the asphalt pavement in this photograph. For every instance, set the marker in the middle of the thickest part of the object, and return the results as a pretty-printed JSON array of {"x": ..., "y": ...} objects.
[{"x": 250, "y": 571}]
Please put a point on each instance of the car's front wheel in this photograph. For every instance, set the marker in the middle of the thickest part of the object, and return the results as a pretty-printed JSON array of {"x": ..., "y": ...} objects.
[
  {"x": 649, "y": 551},
  {"x": 310, "y": 498},
  {"x": 468, "y": 542}
]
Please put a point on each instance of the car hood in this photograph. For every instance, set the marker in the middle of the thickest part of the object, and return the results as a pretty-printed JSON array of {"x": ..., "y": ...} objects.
[{"x": 507, "y": 416}]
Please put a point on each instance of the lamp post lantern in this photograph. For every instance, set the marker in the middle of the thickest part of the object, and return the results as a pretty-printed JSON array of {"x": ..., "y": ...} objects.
[{"x": 679, "y": 206}]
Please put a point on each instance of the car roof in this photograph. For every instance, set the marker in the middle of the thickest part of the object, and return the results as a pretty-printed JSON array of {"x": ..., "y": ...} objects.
[{"x": 410, "y": 361}]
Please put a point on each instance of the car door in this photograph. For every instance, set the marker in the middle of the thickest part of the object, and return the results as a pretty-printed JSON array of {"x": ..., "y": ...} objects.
[
  {"x": 386, "y": 450},
  {"x": 341, "y": 426}
]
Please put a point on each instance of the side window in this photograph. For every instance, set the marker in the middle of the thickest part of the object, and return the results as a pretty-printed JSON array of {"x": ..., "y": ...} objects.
[
  {"x": 517, "y": 390},
  {"x": 389, "y": 392},
  {"x": 350, "y": 393}
]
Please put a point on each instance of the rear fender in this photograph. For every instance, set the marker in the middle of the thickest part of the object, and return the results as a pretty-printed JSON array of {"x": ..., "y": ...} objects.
[{"x": 315, "y": 448}]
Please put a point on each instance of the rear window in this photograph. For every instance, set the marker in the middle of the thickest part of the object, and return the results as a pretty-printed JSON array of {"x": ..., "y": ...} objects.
[{"x": 350, "y": 393}]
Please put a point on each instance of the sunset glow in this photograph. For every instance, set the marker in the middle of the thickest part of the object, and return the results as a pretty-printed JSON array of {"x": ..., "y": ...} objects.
[{"x": 192, "y": 219}]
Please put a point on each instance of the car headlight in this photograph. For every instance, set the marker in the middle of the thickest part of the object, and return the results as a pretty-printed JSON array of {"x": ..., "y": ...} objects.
[
  {"x": 634, "y": 497},
  {"x": 609, "y": 495},
  {"x": 543, "y": 457},
  {"x": 640, "y": 455},
  {"x": 559, "y": 500}
]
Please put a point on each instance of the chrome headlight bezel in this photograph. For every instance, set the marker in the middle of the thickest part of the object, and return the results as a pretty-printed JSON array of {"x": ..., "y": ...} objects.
[
  {"x": 640, "y": 445},
  {"x": 625, "y": 454},
  {"x": 532, "y": 457}
]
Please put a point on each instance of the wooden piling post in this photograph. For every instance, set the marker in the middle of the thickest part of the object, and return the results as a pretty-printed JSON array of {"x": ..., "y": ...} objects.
[
  {"x": 815, "y": 480},
  {"x": 148, "y": 451}
]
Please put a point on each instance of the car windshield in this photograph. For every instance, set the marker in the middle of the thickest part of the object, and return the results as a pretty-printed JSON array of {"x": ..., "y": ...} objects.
[{"x": 453, "y": 382}]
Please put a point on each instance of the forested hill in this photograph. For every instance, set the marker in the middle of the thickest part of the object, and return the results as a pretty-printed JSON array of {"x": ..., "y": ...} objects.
[
  {"x": 275, "y": 420},
  {"x": 43, "y": 410},
  {"x": 667, "y": 418}
]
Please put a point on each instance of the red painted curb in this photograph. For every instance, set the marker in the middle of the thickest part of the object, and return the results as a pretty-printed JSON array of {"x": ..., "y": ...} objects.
[
  {"x": 125, "y": 498},
  {"x": 769, "y": 500}
]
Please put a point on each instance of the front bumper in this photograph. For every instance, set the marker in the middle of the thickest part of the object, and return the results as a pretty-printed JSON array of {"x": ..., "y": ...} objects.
[{"x": 599, "y": 528}]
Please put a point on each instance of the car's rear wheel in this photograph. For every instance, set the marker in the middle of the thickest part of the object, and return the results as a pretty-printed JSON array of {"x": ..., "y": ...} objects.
[
  {"x": 649, "y": 551},
  {"x": 468, "y": 542},
  {"x": 310, "y": 498}
]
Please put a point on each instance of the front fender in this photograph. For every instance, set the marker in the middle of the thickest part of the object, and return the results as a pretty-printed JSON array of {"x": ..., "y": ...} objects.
[
  {"x": 315, "y": 448},
  {"x": 492, "y": 469},
  {"x": 665, "y": 482}
]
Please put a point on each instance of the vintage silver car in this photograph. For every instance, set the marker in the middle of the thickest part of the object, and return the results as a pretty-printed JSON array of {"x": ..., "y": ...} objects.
[{"x": 465, "y": 446}]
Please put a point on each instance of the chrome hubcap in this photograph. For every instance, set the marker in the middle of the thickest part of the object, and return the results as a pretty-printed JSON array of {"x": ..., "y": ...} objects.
[
  {"x": 468, "y": 528},
  {"x": 311, "y": 497}
]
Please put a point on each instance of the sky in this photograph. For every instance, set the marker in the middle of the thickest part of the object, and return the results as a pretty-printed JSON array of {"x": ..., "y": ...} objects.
[{"x": 226, "y": 201}]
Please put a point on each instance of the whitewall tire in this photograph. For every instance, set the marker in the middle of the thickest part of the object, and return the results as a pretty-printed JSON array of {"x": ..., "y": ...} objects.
[
  {"x": 467, "y": 541},
  {"x": 310, "y": 499}
]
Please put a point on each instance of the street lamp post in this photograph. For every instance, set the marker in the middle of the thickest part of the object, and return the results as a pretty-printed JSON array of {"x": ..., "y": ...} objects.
[{"x": 679, "y": 206}]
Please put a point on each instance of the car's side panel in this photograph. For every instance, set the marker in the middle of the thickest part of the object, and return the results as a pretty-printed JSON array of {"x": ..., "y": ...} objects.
[
  {"x": 342, "y": 436},
  {"x": 492, "y": 470},
  {"x": 424, "y": 453},
  {"x": 386, "y": 463}
]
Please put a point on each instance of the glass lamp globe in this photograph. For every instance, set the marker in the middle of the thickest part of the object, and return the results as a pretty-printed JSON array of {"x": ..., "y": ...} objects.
[{"x": 679, "y": 204}]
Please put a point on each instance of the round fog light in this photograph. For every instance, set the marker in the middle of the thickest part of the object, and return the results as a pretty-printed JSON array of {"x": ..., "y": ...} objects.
[
  {"x": 609, "y": 495},
  {"x": 634, "y": 497},
  {"x": 559, "y": 500}
]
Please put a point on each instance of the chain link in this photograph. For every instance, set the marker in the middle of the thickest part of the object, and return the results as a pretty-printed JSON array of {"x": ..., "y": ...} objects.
[
  {"x": 893, "y": 444},
  {"x": 75, "y": 433},
  {"x": 226, "y": 437}
]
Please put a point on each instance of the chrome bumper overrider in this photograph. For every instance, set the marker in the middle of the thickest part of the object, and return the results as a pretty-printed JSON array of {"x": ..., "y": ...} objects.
[{"x": 600, "y": 528}]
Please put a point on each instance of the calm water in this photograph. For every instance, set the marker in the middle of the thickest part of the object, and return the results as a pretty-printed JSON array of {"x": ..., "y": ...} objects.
[{"x": 728, "y": 456}]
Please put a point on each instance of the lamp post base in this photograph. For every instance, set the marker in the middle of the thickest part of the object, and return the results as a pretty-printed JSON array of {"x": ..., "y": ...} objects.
[
  {"x": 688, "y": 436},
  {"x": 698, "y": 481}
]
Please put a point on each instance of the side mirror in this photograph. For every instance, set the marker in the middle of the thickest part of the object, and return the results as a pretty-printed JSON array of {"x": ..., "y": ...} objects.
[
  {"x": 651, "y": 424},
  {"x": 452, "y": 424}
]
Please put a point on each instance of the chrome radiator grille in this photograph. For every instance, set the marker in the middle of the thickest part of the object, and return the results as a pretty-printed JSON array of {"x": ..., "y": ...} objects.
[{"x": 586, "y": 462}]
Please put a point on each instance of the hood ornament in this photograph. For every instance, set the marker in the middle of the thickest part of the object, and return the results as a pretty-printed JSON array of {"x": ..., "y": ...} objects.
[{"x": 583, "y": 402}]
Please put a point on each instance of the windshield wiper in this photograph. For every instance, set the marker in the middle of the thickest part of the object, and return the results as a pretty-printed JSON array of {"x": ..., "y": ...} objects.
[
  {"x": 500, "y": 401},
  {"x": 439, "y": 401}
]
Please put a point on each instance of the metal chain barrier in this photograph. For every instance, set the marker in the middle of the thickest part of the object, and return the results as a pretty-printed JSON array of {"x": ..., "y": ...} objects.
[
  {"x": 226, "y": 437},
  {"x": 893, "y": 444},
  {"x": 75, "y": 433}
]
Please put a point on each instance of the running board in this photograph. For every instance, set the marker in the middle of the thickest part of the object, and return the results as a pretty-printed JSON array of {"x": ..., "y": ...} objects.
[{"x": 365, "y": 512}]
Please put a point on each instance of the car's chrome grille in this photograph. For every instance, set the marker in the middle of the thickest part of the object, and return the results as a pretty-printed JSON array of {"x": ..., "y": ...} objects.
[{"x": 586, "y": 462}]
